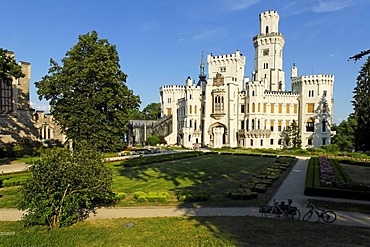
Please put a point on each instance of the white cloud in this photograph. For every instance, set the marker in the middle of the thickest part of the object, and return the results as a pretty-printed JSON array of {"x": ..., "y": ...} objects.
[
  {"x": 41, "y": 106},
  {"x": 331, "y": 5},
  {"x": 210, "y": 34},
  {"x": 234, "y": 5}
]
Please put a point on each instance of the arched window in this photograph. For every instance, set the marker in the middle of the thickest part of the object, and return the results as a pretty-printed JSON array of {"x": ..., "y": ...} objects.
[
  {"x": 252, "y": 124},
  {"x": 190, "y": 123},
  {"x": 190, "y": 109},
  {"x": 310, "y": 125},
  {"x": 189, "y": 138},
  {"x": 195, "y": 124},
  {"x": 253, "y": 93},
  {"x": 195, "y": 109},
  {"x": 267, "y": 29},
  {"x": 222, "y": 102},
  {"x": 253, "y": 107},
  {"x": 251, "y": 142},
  {"x": 323, "y": 126}
]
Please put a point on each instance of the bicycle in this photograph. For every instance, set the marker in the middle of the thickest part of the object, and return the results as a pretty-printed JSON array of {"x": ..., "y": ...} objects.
[
  {"x": 327, "y": 216},
  {"x": 283, "y": 210}
]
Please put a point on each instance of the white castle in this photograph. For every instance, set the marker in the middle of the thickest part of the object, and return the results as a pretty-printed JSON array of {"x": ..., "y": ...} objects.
[{"x": 229, "y": 109}]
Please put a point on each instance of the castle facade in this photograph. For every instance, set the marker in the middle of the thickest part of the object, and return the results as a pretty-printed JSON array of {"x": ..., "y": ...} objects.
[{"x": 225, "y": 108}]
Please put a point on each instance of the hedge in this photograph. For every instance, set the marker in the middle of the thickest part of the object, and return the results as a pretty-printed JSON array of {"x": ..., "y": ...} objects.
[{"x": 314, "y": 188}]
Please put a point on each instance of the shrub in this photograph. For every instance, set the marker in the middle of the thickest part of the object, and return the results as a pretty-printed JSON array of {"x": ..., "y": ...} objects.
[{"x": 120, "y": 196}]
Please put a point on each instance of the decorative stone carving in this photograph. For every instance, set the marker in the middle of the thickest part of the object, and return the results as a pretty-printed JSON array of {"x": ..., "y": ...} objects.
[{"x": 218, "y": 80}]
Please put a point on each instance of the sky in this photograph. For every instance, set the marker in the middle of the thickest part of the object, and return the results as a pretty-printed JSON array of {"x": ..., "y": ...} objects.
[{"x": 160, "y": 42}]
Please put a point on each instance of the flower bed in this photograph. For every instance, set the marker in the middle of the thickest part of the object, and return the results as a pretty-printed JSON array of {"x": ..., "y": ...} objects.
[{"x": 327, "y": 173}]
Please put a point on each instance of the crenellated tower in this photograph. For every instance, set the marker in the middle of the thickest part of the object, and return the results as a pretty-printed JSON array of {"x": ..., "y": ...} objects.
[{"x": 268, "y": 44}]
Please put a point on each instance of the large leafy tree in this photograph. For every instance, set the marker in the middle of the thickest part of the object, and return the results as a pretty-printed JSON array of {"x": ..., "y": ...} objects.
[
  {"x": 65, "y": 187},
  {"x": 152, "y": 111},
  {"x": 361, "y": 105},
  {"x": 88, "y": 95},
  {"x": 345, "y": 134}
]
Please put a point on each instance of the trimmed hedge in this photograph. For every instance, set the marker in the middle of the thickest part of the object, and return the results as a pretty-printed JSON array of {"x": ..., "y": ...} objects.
[
  {"x": 342, "y": 190},
  {"x": 192, "y": 196},
  {"x": 152, "y": 196},
  {"x": 259, "y": 183}
]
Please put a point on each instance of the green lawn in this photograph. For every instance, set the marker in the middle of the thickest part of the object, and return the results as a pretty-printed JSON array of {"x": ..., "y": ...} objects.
[
  {"x": 214, "y": 174},
  {"x": 187, "y": 231},
  {"x": 359, "y": 174}
]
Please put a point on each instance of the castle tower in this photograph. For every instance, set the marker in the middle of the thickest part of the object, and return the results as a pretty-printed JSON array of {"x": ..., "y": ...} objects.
[{"x": 268, "y": 46}]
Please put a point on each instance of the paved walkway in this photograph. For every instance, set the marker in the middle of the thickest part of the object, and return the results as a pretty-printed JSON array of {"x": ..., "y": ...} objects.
[
  {"x": 13, "y": 167},
  {"x": 292, "y": 187}
]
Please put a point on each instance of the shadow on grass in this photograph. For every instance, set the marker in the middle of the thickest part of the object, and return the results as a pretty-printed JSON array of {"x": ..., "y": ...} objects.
[{"x": 210, "y": 174}]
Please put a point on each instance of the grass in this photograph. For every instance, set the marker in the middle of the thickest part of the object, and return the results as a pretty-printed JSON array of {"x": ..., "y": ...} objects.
[
  {"x": 187, "y": 231},
  {"x": 214, "y": 174},
  {"x": 9, "y": 197},
  {"x": 359, "y": 174}
]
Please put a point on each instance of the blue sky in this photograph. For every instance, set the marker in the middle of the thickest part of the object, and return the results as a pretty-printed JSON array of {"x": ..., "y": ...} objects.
[{"x": 160, "y": 42}]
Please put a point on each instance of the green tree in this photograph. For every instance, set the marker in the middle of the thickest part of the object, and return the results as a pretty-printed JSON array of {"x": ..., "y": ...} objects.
[
  {"x": 9, "y": 67},
  {"x": 152, "y": 111},
  {"x": 361, "y": 105},
  {"x": 65, "y": 187},
  {"x": 292, "y": 137},
  {"x": 88, "y": 95},
  {"x": 152, "y": 140},
  {"x": 345, "y": 134}
]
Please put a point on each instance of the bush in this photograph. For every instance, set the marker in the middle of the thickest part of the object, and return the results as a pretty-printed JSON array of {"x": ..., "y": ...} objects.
[
  {"x": 120, "y": 196},
  {"x": 152, "y": 140},
  {"x": 192, "y": 196},
  {"x": 76, "y": 182}
]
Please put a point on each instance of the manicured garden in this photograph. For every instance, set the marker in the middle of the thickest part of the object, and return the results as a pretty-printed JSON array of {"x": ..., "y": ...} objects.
[
  {"x": 327, "y": 177},
  {"x": 213, "y": 179},
  {"x": 191, "y": 178}
]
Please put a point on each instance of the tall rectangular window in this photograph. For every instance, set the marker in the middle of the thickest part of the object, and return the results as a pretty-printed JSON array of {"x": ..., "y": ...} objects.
[
  {"x": 280, "y": 123},
  {"x": 169, "y": 111},
  {"x": 295, "y": 108},
  {"x": 310, "y": 108},
  {"x": 280, "y": 108},
  {"x": 6, "y": 95},
  {"x": 287, "y": 108},
  {"x": 272, "y": 125},
  {"x": 272, "y": 108},
  {"x": 259, "y": 107},
  {"x": 242, "y": 108},
  {"x": 264, "y": 108}
]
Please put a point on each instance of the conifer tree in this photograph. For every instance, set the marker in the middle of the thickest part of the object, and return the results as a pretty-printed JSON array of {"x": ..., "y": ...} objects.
[{"x": 361, "y": 105}]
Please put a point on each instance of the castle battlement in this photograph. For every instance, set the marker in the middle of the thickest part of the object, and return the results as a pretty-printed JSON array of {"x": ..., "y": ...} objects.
[
  {"x": 313, "y": 79},
  {"x": 269, "y": 13},
  {"x": 225, "y": 57},
  {"x": 281, "y": 93}
]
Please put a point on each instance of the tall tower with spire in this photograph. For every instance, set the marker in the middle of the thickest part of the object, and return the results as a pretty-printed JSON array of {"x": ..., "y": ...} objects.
[
  {"x": 202, "y": 75},
  {"x": 268, "y": 44}
]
